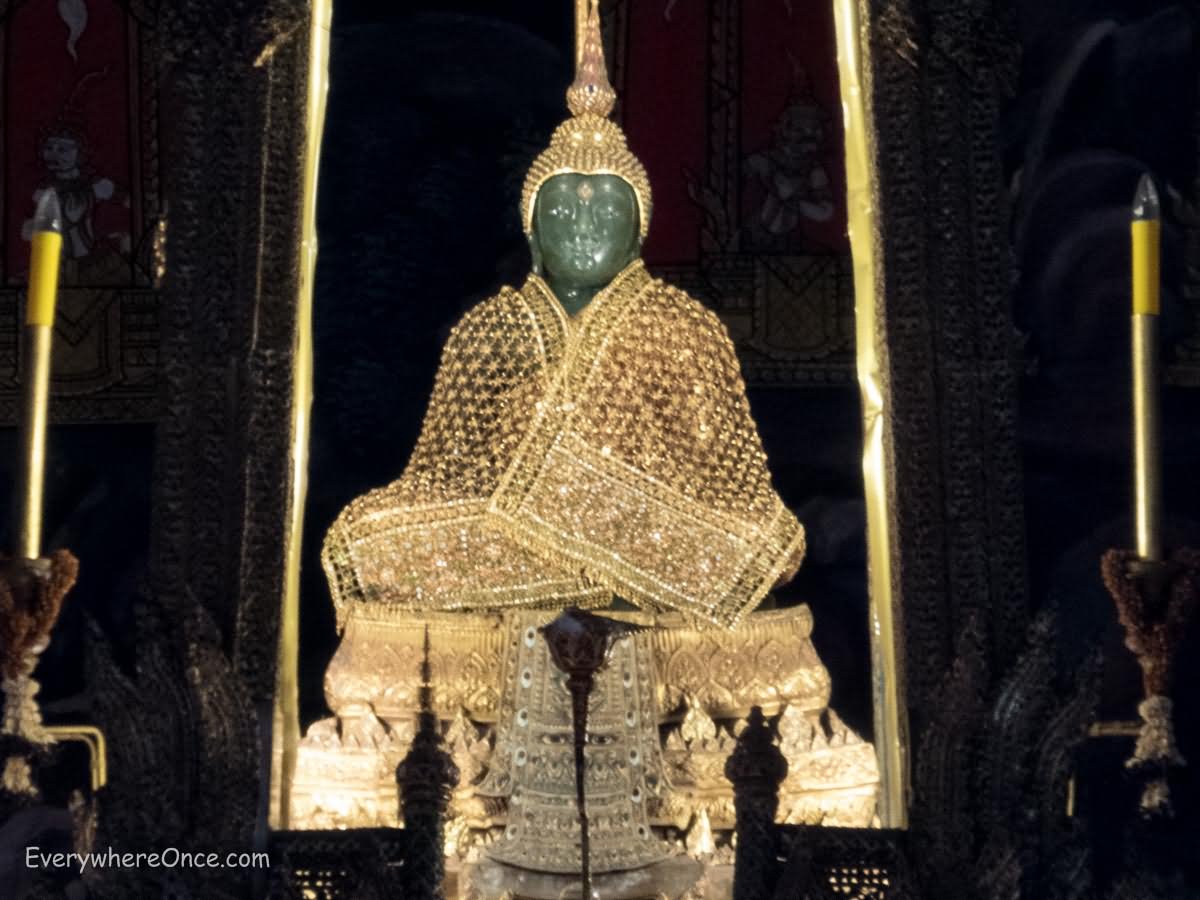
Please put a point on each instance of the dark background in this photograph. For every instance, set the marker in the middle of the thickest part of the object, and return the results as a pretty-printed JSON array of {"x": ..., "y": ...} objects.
[{"x": 1108, "y": 91}]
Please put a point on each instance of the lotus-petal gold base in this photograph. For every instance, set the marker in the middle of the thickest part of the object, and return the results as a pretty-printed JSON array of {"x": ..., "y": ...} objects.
[{"x": 707, "y": 680}]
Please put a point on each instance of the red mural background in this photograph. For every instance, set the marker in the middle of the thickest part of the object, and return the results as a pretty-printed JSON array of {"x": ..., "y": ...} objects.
[
  {"x": 86, "y": 98},
  {"x": 664, "y": 111},
  {"x": 79, "y": 115},
  {"x": 778, "y": 80},
  {"x": 734, "y": 108},
  {"x": 790, "y": 86}
]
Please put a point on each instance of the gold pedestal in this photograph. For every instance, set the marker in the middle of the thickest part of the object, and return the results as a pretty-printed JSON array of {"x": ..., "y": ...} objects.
[{"x": 707, "y": 680}]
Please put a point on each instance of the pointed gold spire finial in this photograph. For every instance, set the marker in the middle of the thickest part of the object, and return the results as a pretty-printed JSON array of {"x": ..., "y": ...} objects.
[
  {"x": 588, "y": 142},
  {"x": 591, "y": 91}
]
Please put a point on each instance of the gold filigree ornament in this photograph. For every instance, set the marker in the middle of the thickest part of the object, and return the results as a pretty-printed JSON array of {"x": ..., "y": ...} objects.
[
  {"x": 562, "y": 462},
  {"x": 589, "y": 143}
]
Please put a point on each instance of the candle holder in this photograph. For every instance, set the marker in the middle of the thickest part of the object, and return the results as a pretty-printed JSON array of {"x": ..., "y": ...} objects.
[
  {"x": 31, "y": 596},
  {"x": 1155, "y": 600}
]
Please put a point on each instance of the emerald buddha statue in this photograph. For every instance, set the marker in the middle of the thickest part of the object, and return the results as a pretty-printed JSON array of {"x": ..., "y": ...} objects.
[
  {"x": 588, "y": 434},
  {"x": 588, "y": 443}
]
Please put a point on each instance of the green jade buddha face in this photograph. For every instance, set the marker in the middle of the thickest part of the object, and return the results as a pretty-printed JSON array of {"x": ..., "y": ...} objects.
[{"x": 585, "y": 231}]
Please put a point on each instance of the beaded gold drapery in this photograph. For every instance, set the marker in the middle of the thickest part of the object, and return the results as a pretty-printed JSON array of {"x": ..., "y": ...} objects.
[{"x": 565, "y": 460}]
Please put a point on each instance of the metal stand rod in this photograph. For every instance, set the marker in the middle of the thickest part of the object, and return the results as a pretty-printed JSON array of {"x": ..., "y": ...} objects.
[{"x": 581, "y": 689}]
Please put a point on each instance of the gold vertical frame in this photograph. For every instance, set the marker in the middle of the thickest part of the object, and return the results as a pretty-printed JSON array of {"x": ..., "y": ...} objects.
[
  {"x": 862, "y": 207},
  {"x": 286, "y": 724}
]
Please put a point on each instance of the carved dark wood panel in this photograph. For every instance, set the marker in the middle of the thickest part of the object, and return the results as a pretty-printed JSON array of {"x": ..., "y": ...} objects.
[
  {"x": 940, "y": 71},
  {"x": 234, "y": 83}
]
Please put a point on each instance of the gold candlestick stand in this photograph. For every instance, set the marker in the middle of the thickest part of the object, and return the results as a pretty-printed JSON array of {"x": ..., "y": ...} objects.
[
  {"x": 1155, "y": 597},
  {"x": 32, "y": 589}
]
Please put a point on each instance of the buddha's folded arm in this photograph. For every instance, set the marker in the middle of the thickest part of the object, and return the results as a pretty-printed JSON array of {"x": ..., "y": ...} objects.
[
  {"x": 424, "y": 542},
  {"x": 644, "y": 467}
]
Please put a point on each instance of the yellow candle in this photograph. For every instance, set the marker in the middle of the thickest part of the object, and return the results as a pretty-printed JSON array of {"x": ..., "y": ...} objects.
[
  {"x": 1145, "y": 233},
  {"x": 43, "y": 277},
  {"x": 1147, "y": 474},
  {"x": 39, "y": 325}
]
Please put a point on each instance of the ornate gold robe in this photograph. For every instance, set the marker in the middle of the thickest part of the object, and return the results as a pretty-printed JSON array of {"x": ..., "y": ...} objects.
[{"x": 566, "y": 459}]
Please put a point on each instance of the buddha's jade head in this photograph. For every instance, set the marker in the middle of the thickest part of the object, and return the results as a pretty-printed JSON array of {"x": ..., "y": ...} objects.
[{"x": 585, "y": 231}]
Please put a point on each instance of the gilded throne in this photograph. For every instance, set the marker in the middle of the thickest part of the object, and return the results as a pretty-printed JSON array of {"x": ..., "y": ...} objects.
[{"x": 588, "y": 443}]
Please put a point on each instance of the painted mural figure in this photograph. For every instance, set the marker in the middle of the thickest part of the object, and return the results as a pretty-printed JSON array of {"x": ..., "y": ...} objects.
[
  {"x": 62, "y": 152},
  {"x": 85, "y": 258},
  {"x": 791, "y": 171}
]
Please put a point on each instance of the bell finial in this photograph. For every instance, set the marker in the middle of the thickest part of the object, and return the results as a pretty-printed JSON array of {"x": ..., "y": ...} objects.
[{"x": 591, "y": 91}]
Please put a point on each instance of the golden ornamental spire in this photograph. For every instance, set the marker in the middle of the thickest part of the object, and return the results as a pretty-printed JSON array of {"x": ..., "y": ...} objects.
[
  {"x": 591, "y": 91},
  {"x": 588, "y": 143}
]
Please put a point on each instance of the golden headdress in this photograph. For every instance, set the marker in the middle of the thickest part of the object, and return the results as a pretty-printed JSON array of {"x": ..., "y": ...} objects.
[{"x": 588, "y": 143}]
